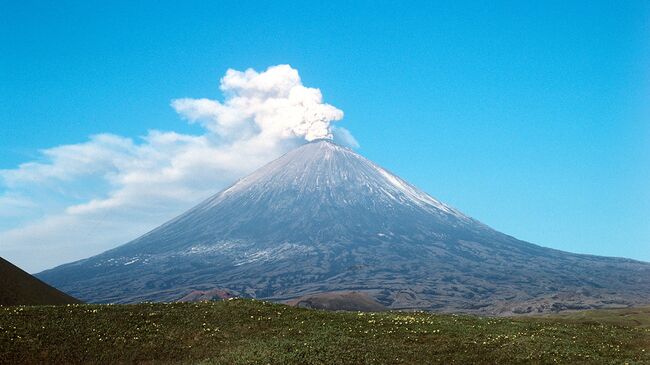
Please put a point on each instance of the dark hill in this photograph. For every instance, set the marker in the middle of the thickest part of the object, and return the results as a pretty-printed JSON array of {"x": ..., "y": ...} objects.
[
  {"x": 339, "y": 301},
  {"x": 20, "y": 288}
]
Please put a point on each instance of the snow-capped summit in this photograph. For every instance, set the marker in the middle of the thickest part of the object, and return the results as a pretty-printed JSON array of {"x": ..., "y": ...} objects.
[{"x": 323, "y": 218}]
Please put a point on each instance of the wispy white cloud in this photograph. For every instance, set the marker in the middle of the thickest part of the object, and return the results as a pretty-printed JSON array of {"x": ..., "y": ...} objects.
[
  {"x": 344, "y": 137},
  {"x": 84, "y": 198}
]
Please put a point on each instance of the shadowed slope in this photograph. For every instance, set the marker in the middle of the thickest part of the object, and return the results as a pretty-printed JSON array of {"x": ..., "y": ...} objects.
[{"x": 19, "y": 288}]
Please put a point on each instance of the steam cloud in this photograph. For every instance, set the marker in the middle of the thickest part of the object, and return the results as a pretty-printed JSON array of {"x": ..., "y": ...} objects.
[
  {"x": 273, "y": 104},
  {"x": 78, "y": 200}
]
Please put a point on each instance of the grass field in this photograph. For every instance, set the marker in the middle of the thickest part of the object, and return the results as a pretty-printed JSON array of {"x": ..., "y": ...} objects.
[
  {"x": 632, "y": 317},
  {"x": 247, "y": 331}
]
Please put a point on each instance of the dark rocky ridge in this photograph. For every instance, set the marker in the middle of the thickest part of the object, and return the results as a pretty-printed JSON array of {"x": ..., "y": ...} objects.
[{"x": 322, "y": 218}]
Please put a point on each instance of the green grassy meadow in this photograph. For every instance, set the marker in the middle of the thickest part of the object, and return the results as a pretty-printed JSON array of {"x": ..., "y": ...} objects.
[{"x": 255, "y": 332}]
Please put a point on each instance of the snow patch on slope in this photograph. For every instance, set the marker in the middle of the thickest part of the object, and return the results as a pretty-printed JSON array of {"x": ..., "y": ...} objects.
[
  {"x": 326, "y": 172},
  {"x": 276, "y": 253},
  {"x": 414, "y": 195}
]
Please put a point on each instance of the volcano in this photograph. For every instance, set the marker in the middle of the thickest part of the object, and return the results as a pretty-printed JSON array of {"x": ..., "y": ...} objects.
[{"x": 323, "y": 219}]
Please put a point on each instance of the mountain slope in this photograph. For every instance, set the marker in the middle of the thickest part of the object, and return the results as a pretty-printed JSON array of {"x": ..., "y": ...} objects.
[
  {"x": 322, "y": 218},
  {"x": 19, "y": 288}
]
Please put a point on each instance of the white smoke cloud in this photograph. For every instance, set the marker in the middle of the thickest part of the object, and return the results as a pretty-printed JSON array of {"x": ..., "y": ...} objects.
[
  {"x": 88, "y": 197},
  {"x": 272, "y": 104}
]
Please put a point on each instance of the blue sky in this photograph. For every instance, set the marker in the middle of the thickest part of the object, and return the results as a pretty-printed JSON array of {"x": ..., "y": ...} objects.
[{"x": 533, "y": 118}]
